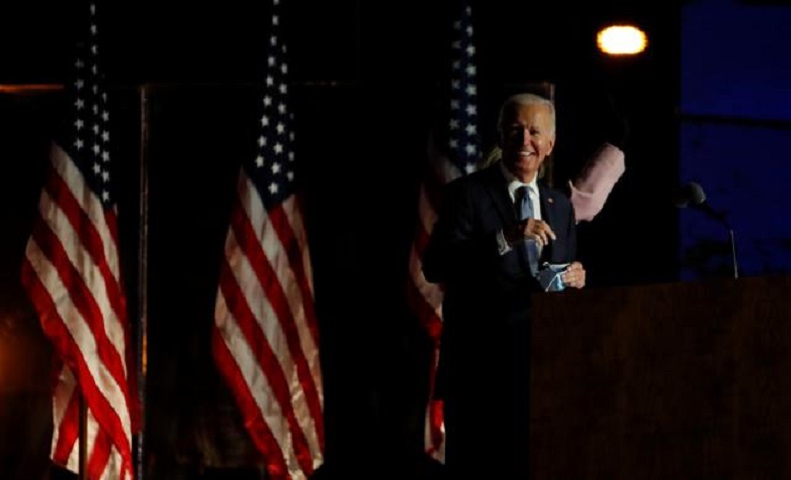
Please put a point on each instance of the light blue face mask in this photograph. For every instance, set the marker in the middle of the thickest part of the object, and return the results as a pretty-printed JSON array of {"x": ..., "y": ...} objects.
[{"x": 550, "y": 276}]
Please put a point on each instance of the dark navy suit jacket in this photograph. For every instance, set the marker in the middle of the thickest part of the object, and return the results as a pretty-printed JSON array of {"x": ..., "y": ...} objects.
[{"x": 487, "y": 295}]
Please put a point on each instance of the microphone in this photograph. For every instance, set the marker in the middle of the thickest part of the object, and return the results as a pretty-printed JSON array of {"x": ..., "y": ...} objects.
[{"x": 692, "y": 194}]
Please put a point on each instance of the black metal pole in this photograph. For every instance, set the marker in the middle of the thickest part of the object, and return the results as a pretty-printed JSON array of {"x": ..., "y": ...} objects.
[
  {"x": 142, "y": 284},
  {"x": 83, "y": 433}
]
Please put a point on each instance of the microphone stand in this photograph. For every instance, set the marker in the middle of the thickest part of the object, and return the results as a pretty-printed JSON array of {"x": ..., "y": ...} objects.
[
  {"x": 724, "y": 221},
  {"x": 733, "y": 253},
  {"x": 721, "y": 218},
  {"x": 692, "y": 194}
]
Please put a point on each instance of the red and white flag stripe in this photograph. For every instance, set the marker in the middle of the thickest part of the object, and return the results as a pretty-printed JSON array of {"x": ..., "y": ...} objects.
[
  {"x": 265, "y": 338},
  {"x": 72, "y": 275}
]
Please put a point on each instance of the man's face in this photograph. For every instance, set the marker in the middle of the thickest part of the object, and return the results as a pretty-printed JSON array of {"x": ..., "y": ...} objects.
[{"x": 526, "y": 140}]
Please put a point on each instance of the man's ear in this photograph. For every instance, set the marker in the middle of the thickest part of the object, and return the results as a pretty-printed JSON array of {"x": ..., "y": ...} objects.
[{"x": 551, "y": 146}]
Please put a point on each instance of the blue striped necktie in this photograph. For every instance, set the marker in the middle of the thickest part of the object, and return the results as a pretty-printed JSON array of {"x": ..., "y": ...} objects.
[{"x": 528, "y": 249}]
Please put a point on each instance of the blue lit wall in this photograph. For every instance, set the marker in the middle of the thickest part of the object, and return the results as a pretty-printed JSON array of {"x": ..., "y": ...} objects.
[{"x": 735, "y": 137}]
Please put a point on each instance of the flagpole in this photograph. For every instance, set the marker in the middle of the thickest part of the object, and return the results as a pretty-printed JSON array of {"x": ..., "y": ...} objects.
[
  {"x": 142, "y": 282},
  {"x": 82, "y": 470}
]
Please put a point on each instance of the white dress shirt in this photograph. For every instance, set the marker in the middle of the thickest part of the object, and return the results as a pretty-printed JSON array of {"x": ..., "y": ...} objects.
[{"x": 514, "y": 184}]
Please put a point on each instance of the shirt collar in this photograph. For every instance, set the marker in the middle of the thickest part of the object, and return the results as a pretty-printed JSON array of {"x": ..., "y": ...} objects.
[{"x": 514, "y": 183}]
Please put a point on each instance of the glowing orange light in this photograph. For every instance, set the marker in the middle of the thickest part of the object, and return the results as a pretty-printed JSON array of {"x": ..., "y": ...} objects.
[
  {"x": 621, "y": 40},
  {"x": 30, "y": 88}
]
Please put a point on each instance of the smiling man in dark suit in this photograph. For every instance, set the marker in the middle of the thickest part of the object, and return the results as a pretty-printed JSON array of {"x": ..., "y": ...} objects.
[{"x": 498, "y": 230}]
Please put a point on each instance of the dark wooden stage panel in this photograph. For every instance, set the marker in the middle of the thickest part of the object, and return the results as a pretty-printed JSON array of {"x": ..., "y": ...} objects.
[{"x": 671, "y": 381}]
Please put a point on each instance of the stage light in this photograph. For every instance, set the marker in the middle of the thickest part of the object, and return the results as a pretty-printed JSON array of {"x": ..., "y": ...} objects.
[
  {"x": 29, "y": 88},
  {"x": 621, "y": 40}
]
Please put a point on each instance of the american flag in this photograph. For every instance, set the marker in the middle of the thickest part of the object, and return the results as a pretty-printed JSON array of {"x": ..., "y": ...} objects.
[
  {"x": 72, "y": 273},
  {"x": 457, "y": 156},
  {"x": 265, "y": 340}
]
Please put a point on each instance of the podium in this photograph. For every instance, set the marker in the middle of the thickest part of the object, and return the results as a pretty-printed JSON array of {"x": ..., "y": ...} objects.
[{"x": 670, "y": 381}]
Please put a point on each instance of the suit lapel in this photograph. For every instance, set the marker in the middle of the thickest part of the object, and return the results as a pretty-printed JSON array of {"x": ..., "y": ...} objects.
[
  {"x": 548, "y": 205},
  {"x": 549, "y": 213},
  {"x": 498, "y": 191}
]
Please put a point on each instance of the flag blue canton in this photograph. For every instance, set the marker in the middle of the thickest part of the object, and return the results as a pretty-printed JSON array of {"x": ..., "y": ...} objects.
[
  {"x": 464, "y": 140},
  {"x": 86, "y": 136},
  {"x": 272, "y": 169}
]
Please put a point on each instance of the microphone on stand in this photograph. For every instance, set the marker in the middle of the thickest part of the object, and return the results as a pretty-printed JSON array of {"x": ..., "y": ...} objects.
[{"x": 692, "y": 195}]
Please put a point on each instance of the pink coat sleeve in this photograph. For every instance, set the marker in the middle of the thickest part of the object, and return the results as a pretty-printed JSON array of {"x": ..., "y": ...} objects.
[{"x": 591, "y": 188}]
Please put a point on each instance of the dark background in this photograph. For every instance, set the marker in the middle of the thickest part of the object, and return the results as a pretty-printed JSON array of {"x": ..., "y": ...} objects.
[{"x": 366, "y": 77}]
